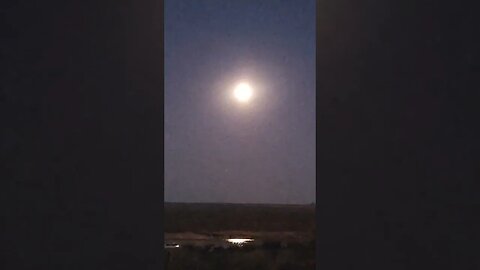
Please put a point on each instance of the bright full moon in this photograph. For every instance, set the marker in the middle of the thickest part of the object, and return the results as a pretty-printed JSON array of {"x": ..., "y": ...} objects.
[{"x": 243, "y": 92}]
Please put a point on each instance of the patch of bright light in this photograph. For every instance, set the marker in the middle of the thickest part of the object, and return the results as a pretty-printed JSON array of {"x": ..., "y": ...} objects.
[
  {"x": 243, "y": 92},
  {"x": 239, "y": 241}
]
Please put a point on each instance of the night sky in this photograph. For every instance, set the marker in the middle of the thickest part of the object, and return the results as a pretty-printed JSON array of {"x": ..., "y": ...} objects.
[
  {"x": 83, "y": 121},
  {"x": 217, "y": 150}
]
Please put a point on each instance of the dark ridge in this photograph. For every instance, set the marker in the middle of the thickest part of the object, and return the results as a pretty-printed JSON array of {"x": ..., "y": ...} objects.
[{"x": 211, "y": 217}]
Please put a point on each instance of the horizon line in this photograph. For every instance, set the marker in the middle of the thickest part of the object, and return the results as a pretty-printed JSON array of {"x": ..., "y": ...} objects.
[{"x": 244, "y": 203}]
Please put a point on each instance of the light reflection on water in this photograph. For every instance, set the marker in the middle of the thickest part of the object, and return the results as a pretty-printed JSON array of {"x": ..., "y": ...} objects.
[{"x": 239, "y": 241}]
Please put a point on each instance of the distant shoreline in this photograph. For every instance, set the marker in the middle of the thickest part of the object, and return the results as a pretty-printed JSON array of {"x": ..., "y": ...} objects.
[
  {"x": 214, "y": 217},
  {"x": 243, "y": 204}
]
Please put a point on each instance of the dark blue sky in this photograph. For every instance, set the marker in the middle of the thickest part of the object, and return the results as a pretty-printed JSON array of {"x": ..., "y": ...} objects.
[{"x": 215, "y": 149}]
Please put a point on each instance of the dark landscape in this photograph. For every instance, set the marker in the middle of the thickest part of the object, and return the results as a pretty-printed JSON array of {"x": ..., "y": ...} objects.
[{"x": 283, "y": 236}]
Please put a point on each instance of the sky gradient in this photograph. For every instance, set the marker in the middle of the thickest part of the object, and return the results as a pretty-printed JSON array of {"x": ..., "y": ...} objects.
[{"x": 217, "y": 150}]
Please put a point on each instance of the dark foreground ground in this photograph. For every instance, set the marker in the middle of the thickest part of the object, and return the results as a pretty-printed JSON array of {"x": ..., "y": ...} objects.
[{"x": 283, "y": 236}]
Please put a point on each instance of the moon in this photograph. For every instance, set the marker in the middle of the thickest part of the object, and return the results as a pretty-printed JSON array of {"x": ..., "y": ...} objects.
[{"x": 243, "y": 92}]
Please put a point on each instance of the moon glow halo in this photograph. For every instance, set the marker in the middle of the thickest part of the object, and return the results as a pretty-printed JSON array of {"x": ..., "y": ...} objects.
[{"x": 243, "y": 92}]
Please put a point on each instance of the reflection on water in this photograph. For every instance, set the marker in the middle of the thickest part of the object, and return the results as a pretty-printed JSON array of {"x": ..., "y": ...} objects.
[
  {"x": 172, "y": 245},
  {"x": 239, "y": 241}
]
